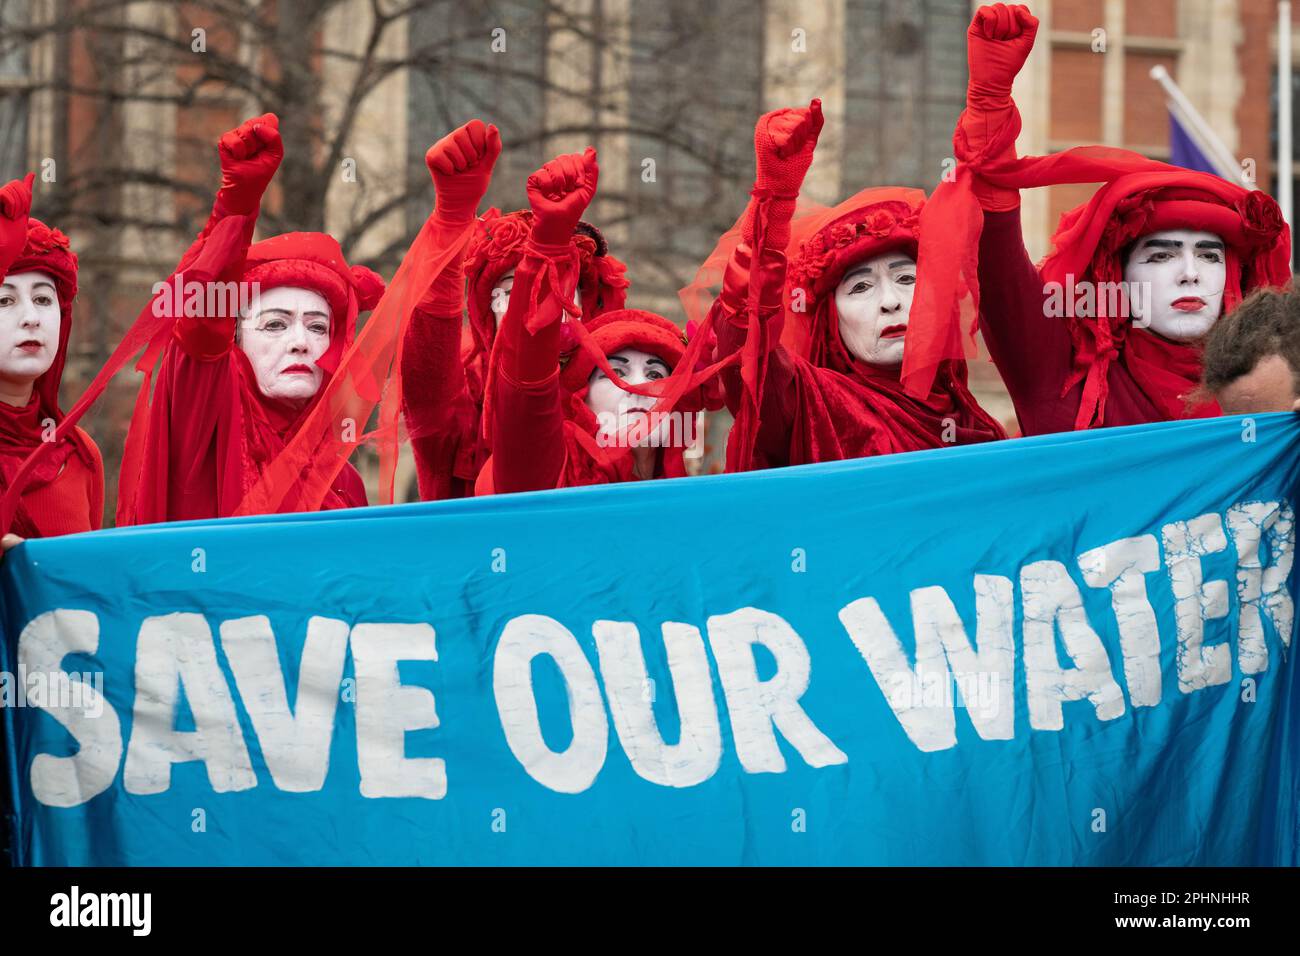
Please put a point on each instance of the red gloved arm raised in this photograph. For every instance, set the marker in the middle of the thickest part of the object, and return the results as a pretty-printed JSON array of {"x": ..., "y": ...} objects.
[
  {"x": 998, "y": 42},
  {"x": 250, "y": 154},
  {"x": 528, "y": 446},
  {"x": 433, "y": 376},
  {"x": 784, "y": 142}
]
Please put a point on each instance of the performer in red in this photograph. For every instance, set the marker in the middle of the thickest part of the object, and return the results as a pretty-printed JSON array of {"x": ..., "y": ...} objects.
[
  {"x": 235, "y": 381},
  {"x": 65, "y": 494},
  {"x": 1109, "y": 328},
  {"x": 614, "y": 411},
  {"x": 443, "y": 371},
  {"x": 828, "y": 388}
]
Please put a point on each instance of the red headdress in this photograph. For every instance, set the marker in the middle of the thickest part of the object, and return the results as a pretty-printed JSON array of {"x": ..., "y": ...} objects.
[
  {"x": 497, "y": 247},
  {"x": 48, "y": 251},
  {"x": 314, "y": 260},
  {"x": 1139, "y": 196},
  {"x": 873, "y": 222}
]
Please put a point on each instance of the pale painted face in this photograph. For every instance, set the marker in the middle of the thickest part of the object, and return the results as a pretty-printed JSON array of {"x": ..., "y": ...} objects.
[
  {"x": 615, "y": 409},
  {"x": 29, "y": 327},
  {"x": 501, "y": 296},
  {"x": 874, "y": 300},
  {"x": 1269, "y": 387},
  {"x": 1184, "y": 273},
  {"x": 284, "y": 333}
]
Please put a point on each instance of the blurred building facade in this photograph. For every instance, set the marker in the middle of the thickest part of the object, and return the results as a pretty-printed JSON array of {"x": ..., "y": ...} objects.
[{"x": 120, "y": 108}]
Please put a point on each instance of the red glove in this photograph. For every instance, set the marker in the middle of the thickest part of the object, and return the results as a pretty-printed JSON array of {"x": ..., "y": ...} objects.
[
  {"x": 784, "y": 141},
  {"x": 461, "y": 165},
  {"x": 997, "y": 45},
  {"x": 250, "y": 155},
  {"x": 15, "y": 207},
  {"x": 559, "y": 194}
]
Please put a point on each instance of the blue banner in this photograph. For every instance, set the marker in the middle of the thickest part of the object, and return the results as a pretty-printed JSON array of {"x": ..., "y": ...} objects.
[{"x": 1064, "y": 650}]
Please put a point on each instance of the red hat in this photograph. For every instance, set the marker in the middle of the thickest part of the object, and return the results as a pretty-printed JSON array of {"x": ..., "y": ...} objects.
[
  {"x": 497, "y": 247},
  {"x": 48, "y": 250},
  {"x": 314, "y": 260},
  {"x": 879, "y": 220},
  {"x": 624, "y": 329}
]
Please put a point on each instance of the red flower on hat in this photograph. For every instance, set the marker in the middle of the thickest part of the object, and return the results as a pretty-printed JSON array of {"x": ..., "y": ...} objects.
[
  {"x": 43, "y": 238},
  {"x": 880, "y": 223},
  {"x": 507, "y": 234},
  {"x": 1261, "y": 217}
]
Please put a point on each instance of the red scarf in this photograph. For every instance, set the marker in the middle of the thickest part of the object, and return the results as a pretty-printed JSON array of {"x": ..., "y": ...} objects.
[
  {"x": 1168, "y": 373},
  {"x": 862, "y": 410}
]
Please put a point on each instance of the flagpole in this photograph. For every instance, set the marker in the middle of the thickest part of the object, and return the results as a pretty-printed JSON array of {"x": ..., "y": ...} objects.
[
  {"x": 1220, "y": 155},
  {"x": 1284, "y": 198}
]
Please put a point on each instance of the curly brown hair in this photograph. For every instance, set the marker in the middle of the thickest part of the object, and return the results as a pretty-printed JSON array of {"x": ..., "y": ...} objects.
[{"x": 1267, "y": 322}]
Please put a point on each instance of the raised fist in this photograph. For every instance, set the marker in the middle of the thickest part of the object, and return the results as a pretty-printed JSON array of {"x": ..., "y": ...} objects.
[
  {"x": 461, "y": 165},
  {"x": 784, "y": 141},
  {"x": 997, "y": 45},
  {"x": 15, "y": 206},
  {"x": 250, "y": 154},
  {"x": 559, "y": 193}
]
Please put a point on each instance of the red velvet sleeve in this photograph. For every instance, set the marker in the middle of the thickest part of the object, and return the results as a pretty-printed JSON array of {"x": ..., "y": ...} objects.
[
  {"x": 201, "y": 336},
  {"x": 435, "y": 400},
  {"x": 1031, "y": 349},
  {"x": 527, "y": 415},
  {"x": 777, "y": 412}
]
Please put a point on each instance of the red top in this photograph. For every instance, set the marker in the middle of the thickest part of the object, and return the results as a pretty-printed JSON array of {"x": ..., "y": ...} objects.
[
  {"x": 73, "y": 501},
  {"x": 442, "y": 418}
]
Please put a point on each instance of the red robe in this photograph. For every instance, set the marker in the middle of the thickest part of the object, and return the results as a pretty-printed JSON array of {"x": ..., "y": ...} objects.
[{"x": 443, "y": 419}]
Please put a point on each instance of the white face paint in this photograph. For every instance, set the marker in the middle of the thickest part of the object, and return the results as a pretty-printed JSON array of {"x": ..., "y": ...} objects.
[
  {"x": 1184, "y": 273},
  {"x": 616, "y": 409},
  {"x": 501, "y": 296},
  {"x": 29, "y": 327},
  {"x": 874, "y": 300},
  {"x": 286, "y": 330}
]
